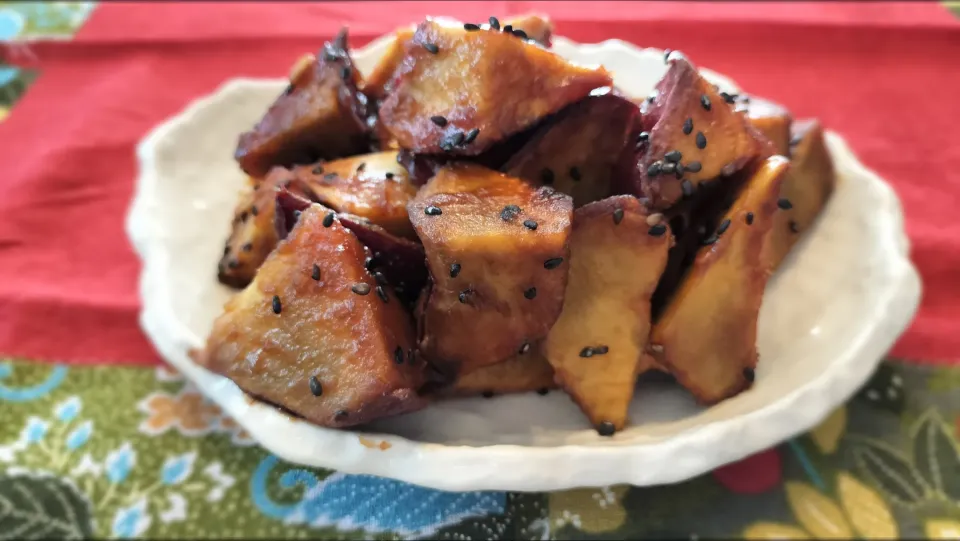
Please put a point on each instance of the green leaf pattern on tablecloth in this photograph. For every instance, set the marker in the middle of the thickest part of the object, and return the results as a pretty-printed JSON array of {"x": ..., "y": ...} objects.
[{"x": 137, "y": 452}]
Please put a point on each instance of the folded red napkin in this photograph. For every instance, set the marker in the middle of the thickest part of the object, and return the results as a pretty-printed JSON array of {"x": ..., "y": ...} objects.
[{"x": 883, "y": 75}]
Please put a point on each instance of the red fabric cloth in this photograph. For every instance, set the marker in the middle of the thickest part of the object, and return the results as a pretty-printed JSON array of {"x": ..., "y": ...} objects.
[{"x": 884, "y": 75}]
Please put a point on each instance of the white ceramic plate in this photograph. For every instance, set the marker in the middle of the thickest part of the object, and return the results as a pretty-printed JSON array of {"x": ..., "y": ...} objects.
[{"x": 835, "y": 307}]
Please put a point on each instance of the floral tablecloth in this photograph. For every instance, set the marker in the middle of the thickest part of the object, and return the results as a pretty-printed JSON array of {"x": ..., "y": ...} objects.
[{"x": 152, "y": 458}]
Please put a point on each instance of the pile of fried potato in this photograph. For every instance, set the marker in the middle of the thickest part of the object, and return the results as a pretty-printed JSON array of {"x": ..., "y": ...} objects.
[{"x": 481, "y": 216}]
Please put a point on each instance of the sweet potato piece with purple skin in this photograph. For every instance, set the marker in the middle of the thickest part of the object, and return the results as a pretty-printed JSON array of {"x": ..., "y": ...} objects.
[
  {"x": 617, "y": 254},
  {"x": 519, "y": 374},
  {"x": 807, "y": 186},
  {"x": 497, "y": 255},
  {"x": 373, "y": 186},
  {"x": 477, "y": 88},
  {"x": 400, "y": 261},
  {"x": 378, "y": 84},
  {"x": 253, "y": 236},
  {"x": 692, "y": 135},
  {"x": 707, "y": 335},
  {"x": 310, "y": 335},
  {"x": 322, "y": 114},
  {"x": 577, "y": 151},
  {"x": 771, "y": 119}
]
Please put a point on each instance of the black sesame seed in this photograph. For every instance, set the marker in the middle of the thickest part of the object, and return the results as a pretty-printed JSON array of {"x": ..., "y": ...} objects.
[
  {"x": 688, "y": 126},
  {"x": 432, "y": 211},
  {"x": 382, "y": 293},
  {"x": 686, "y": 187},
  {"x": 471, "y": 136},
  {"x": 586, "y": 352},
  {"x": 784, "y": 203},
  {"x": 494, "y": 23},
  {"x": 606, "y": 429},
  {"x": 575, "y": 174},
  {"x": 318, "y": 170},
  {"x": 380, "y": 279},
  {"x": 693, "y": 167},
  {"x": 361, "y": 288},
  {"x": 345, "y": 72},
  {"x": 438, "y": 120},
  {"x": 328, "y": 220},
  {"x": 456, "y": 138},
  {"x": 509, "y": 212},
  {"x": 296, "y": 215},
  {"x": 520, "y": 33},
  {"x": 793, "y": 227},
  {"x": 470, "y": 27},
  {"x": 654, "y": 169},
  {"x": 679, "y": 171},
  {"x": 340, "y": 415},
  {"x": 601, "y": 350},
  {"x": 508, "y": 29},
  {"x": 524, "y": 348},
  {"x": 289, "y": 90},
  {"x": 277, "y": 307},
  {"x": 370, "y": 262},
  {"x": 464, "y": 296},
  {"x": 398, "y": 355},
  {"x": 316, "y": 272},
  {"x": 543, "y": 391},
  {"x": 617, "y": 216},
  {"x": 668, "y": 168},
  {"x": 431, "y": 48},
  {"x": 643, "y": 137},
  {"x": 530, "y": 224},
  {"x": 729, "y": 98},
  {"x": 701, "y": 140},
  {"x": 315, "y": 388},
  {"x": 361, "y": 167},
  {"x": 329, "y": 176},
  {"x": 723, "y": 227},
  {"x": 530, "y": 293},
  {"x": 749, "y": 374},
  {"x": 705, "y": 101},
  {"x": 254, "y": 210},
  {"x": 657, "y": 230},
  {"x": 546, "y": 176},
  {"x": 487, "y": 394},
  {"x": 749, "y": 218},
  {"x": 709, "y": 240},
  {"x": 389, "y": 176},
  {"x": 673, "y": 156},
  {"x": 552, "y": 263},
  {"x": 666, "y": 54},
  {"x": 454, "y": 270}
]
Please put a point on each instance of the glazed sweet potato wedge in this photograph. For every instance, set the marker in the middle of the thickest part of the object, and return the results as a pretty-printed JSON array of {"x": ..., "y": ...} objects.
[
  {"x": 807, "y": 187},
  {"x": 253, "y": 234},
  {"x": 310, "y": 335},
  {"x": 772, "y": 120},
  {"x": 460, "y": 91},
  {"x": 322, "y": 114},
  {"x": 577, "y": 151},
  {"x": 518, "y": 374},
  {"x": 373, "y": 186},
  {"x": 378, "y": 84},
  {"x": 617, "y": 253},
  {"x": 691, "y": 135},
  {"x": 707, "y": 335},
  {"x": 497, "y": 255}
]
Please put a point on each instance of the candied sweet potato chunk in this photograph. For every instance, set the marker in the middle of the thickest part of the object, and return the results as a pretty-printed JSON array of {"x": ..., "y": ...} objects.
[
  {"x": 707, "y": 335},
  {"x": 322, "y": 114},
  {"x": 461, "y": 91},
  {"x": 518, "y": 374},
  {"x": 807, "y": 186},
  {"x": 373, "y": 186},
  {"x": 497, "y": 255},
  {"x": 378, "y": 84},
  {"x": 772, "y": 120},
  {"x": 617, "y": 253},
  {"x": 253, "y": 236},
  {"x": 692, "y": 135},
  {"x": 577, "y": 151},
  {"x": 310, "y": 334}
]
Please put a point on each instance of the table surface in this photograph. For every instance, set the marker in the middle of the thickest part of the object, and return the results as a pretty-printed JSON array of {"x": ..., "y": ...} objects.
[{"x": 99, "y": 438}]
